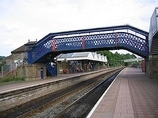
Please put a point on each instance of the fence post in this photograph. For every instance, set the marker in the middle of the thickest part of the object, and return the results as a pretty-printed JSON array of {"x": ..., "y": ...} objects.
[{"x": 2, "y": 70}]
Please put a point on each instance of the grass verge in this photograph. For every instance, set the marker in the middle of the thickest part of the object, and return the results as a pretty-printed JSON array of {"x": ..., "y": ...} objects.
[{"x": 11, "y": 79}]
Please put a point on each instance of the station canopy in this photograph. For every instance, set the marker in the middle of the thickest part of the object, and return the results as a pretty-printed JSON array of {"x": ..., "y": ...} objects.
[{"x": 76, "y": 56}]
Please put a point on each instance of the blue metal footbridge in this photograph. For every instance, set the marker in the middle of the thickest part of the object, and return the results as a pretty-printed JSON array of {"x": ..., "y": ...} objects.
[{"x": 105, "y": 38}]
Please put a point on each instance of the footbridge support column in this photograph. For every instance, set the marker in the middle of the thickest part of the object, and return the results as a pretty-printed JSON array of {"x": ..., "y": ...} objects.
[{"x": 152, "y": 66}]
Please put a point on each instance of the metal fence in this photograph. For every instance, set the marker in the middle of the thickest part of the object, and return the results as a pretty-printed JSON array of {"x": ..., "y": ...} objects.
[{"x": 9, "y": 68}]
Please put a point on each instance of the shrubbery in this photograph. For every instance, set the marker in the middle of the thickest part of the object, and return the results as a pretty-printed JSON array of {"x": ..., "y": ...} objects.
[{"x": 11, "y": 79}]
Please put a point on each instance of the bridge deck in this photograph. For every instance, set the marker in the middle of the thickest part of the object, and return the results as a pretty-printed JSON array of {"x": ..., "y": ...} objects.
[{"x": 132, "y": 95}]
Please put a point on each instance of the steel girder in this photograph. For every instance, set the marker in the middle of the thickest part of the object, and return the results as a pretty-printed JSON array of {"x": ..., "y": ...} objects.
[{"x": 52, "y": 44}]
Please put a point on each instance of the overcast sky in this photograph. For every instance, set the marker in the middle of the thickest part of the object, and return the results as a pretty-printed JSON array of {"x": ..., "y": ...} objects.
[{"x": 21, "y": 20}]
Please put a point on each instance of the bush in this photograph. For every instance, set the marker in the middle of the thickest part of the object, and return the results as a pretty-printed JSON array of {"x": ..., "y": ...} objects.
[{"x": 11, "y": 79}]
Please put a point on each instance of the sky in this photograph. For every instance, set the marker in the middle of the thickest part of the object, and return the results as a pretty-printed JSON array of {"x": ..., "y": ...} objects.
[{"x": 23, "y": 20}]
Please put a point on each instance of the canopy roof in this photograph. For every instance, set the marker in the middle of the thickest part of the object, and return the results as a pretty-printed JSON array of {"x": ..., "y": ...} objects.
[{"x": 82, "y": 56}]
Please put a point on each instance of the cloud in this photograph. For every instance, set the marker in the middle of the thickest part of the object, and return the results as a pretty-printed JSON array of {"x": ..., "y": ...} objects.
[{"x": 21, "y": 20}]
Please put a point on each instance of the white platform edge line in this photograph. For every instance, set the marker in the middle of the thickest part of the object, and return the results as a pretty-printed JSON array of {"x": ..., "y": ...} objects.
[{"x": 98, "y": 102}]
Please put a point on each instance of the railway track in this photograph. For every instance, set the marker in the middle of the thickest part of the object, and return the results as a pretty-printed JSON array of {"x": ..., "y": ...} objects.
[
  {"x": 82, "y": 106},
  {"x": 59, "y": 103}
]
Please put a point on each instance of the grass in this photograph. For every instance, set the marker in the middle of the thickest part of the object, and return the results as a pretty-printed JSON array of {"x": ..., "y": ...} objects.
[{"x": 11, "y": 79}]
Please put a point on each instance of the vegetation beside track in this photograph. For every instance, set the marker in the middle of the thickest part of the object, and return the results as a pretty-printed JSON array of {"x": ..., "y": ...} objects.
[{"x": 11, "y": 79}]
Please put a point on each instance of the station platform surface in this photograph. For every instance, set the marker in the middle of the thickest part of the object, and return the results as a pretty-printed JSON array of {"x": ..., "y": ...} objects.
[
  {"x": 7, "y": 87},
  {"x": 131, "y": 95},
  {"x": 12, "y": 86}
]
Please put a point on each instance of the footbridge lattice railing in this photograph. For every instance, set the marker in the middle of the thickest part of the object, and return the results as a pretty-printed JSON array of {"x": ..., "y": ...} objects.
[{"x": 53, "y": 43}]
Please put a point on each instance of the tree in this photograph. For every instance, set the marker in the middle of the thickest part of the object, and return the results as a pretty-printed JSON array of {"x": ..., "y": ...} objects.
[{"x": 116, "y": 59}]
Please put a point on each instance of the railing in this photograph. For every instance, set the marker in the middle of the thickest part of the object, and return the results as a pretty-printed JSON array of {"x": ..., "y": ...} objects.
[
  {"x": 9, "y": 68},
  {"x": 120, "y": 37},
  {"x": 118, "y": 40}
]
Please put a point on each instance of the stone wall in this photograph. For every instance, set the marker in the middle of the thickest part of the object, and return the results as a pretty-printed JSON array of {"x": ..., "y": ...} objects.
[
  {"x": 30, "y": 72},
  {"x": 152, "y": 67}
]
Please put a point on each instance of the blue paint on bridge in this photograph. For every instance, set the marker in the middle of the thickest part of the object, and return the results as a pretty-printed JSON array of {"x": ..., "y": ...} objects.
[{"x": 117, "y": 37}]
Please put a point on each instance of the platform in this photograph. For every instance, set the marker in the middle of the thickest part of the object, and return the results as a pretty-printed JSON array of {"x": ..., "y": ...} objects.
[
  {"x": 6, "y": 87},
  {"x": 131, "y": 95}
]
